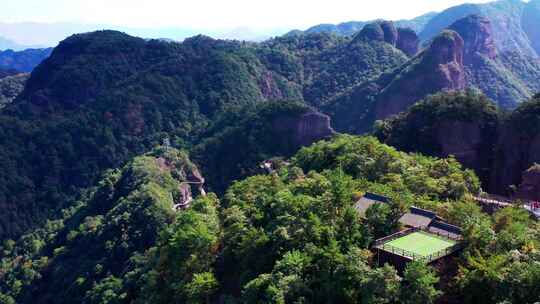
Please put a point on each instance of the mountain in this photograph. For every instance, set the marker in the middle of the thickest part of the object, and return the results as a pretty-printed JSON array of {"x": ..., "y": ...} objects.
[
  {"x": 462, "y": 124},
  {"x": 501, "y": 147},
  {"x": 23, "y": 61},
  {"x": 463, "y": 56},
  {"x": 352, "y": 27},
  {"x": 127, "y": 94},
  {"x": 105, "y": 236},
  {"x": 513, "y": 23},
  {"x": 439, "y": 67},
  {"x": 42, "y": 35},
  {"x": 123, "y": 241},
  {"x": 494, "y": 72},
  {"x": 531, "y": 24},
  {"x": 265, "y": 131}
]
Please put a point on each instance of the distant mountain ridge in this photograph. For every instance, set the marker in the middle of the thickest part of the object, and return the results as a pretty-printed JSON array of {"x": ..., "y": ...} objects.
[
  {"x": 352, "y": 27},
  {"x": 23, "y": 61},
  {"x": 515, "y": 23}
]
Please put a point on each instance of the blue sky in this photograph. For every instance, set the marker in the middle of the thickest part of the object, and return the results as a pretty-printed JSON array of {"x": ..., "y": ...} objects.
[{"x": 216, "y": 14}]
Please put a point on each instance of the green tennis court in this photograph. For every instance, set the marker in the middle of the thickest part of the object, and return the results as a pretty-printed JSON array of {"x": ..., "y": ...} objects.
[{"x": 421, "y": 243}]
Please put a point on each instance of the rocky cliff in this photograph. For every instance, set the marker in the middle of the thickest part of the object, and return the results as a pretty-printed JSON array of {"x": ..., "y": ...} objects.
[
  {"x": 518, "y": 146},
  {"x": 403, "y": 39},
  {"x": 462, "y": 124},
  {"x": 477, "y": 34},
  {"x": 303, "y": 130},
  {"x": 488, "y": 70},
  {"x": 408, "y": 41},
  {"x": 529, "y": 189},
  {"x": 530, "y": 23},
  {"x": 440, "y": 67}
]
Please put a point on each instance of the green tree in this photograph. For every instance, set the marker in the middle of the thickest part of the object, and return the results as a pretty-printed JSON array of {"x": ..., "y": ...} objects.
[{"x": 419, "y": 283}]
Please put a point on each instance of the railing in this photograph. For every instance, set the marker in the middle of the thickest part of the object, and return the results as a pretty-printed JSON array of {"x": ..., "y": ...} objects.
[
  {"x": 382, "y": 243},
  {"x": 447, "y": 235},
  {"x": 417, "y": 257},
  {"x": 394, "y": 236}
]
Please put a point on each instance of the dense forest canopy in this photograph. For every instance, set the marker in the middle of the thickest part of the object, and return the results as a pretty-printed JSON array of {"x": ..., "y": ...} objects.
[
  {"x": 291, "y": 236},
  {"x": 215, "y": 171}
]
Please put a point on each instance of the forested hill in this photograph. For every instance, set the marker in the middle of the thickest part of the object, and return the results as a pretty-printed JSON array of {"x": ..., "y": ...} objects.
[
  {"x": 23, "y": 61},
  {"x": 515, "y": 23},
  {"x": 103, "y": 97},
  {"x": 289, "y": 236},
  {"x": 352, "y": 27},
  {"x": 500, "y": 146}
]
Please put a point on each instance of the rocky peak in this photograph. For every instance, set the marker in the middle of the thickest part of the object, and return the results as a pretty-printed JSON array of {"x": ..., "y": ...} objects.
[
  {"x": 477, "y": 34},
  {"x": 438, "y": 68},
  {"x": 372, "y": 31},
  {"x": 404, "y": 39},
  {"x": 379, "y": 31},
  {"x": 408, "y": 41},
  {"x": 390, "y": 32},
  {"x": 445, "y": 48},
  {"x": 530, "y": 22}
]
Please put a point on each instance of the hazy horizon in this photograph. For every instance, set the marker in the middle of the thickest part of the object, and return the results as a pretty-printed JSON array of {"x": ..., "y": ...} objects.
[{"x": 179, "y": 19}]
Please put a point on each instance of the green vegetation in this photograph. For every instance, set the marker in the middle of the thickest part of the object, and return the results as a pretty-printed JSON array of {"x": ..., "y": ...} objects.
[
  {"x": 419, "y": 128},
  {"x": 88, "y": 200},
  {"x": 23, "y": 61},
  {"x": 11, "y": 87},
  {"x": 83, "y": 111},
  {"x": 292, "y": 236},
  {"x": 469, "y": 126}
]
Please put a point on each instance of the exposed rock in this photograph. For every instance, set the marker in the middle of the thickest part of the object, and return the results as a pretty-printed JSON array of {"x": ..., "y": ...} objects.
[
  {"x": 515, "y": 154},
  {"x": 408, "y": 41},
  {"x": 461, "y": 139},
  {"x": 379, "y": 31},
  {"x": 390, "y": 32},
  {"x": 438, "y": 68},
  {"x": 190, "y": 177},
  {"x": 529, "y": 189},
  {"x": 311, "y": 127},
  {"x": 530, "y": 22},
  {"x": 372, "y": 31},
  {"x": 477, "y": 34},
  {"x": 305, "y": 129},
  {"x": 518, "y": 147}
]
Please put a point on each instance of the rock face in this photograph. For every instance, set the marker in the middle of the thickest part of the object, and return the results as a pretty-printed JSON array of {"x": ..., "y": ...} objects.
[
  {"x": 372, "y": 31},
  {"x": 529, "y": 189},
  {"x": 506, "y": 17},
  {"x": 402, "y": 38},
  {"x": 530, "y": 23},
  {"x": 190, "y": 176},
  {"x": 516, "y": 152},
  {"x": 408, "y": 41},
  {"x": 390, "y": 32},
  {"x": 438, "y": 68},
  {"x": 303, "y": 130},
  {"x": 477, "y": 34},
  {"x": 506, "y": 78},
  {"x": 460, "y": 139}
]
